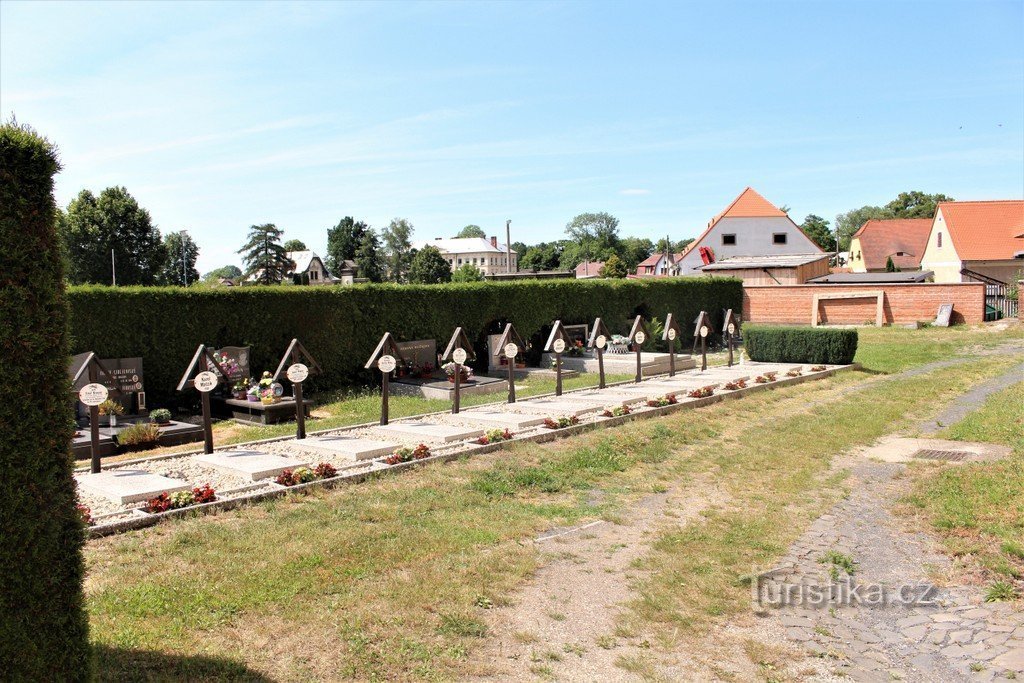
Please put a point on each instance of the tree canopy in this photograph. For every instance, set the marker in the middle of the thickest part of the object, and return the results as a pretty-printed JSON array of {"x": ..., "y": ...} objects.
[
  {"x": 230, "y": 272},
  {"x": 472, "y": 230},
  {"x": 398, "y": 249},
  {"x": 343, "y": 241},
  {"x": 614, "y": 267},
  {"x": 94, "y": 226},
  {"x": 915, "y": 204},
  {"x": 180, "y": 267},
  {"x": 264, "y": 255},
  {"x": 295, "y": 245},
  {"x": 428, "y": 267},
  {"x": 368, "y": 257},
  {"x": 467, "y": 272},
  {"x": 816, "y": 228}
]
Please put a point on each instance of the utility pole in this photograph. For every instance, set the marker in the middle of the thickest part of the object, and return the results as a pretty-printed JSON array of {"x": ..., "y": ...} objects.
[
  {"x": 508, "y": 246},
  {"x": 113, "y": 269},
  {"x": 184, "y": 269}
]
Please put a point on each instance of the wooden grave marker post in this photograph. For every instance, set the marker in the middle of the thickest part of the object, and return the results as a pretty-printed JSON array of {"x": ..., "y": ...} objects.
[
  {"x": 599, "y": 337},
  {"x": 297, "y": 372},
  {"x": 386, "y": 357},
  {"x": 701, "y": 332},
  {"x": 730, "y": 328},
  {"x": 92, "y": 395},
  {"x": 637, "y": 336},
  {"x": 511, "y": 345},
  {"x": 458, "y": 351},
  {"x": 670, "y": 335},
  {"x": 204, "y": 382},
  {"x": 557, "y": 343}
]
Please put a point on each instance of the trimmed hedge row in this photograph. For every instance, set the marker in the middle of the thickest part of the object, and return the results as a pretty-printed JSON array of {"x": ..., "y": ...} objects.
[
  {"x": 800, "y": 345},
  {"x": 43, "y": 626},
  {"x": 340, "y": 326}
]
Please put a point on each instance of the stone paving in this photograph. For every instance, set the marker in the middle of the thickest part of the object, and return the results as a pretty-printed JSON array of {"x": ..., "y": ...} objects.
[{"x": 950, "y": 634}]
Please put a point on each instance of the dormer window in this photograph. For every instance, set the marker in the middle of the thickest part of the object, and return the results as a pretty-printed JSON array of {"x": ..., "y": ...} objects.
[{"x": 779, "y": 238}]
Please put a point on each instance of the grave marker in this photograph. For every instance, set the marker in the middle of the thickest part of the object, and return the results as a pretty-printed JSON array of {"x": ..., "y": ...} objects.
[
  {"x": 557, "y": 342},
  {"x": 297, "y": 373},
  {"x": 730, "y": 329},
  {"x": 943, "y": 316},
  {"x": 92, "y": 395},
  {"x": 598, "y": 341},
  {"x": 511, "y": 344},
  {"x": 637, "y": 336},
  {"x": 386, "y": 358},
  {"x": 700, "y": 333},
  {"x": 672, "y": 332},
  {"x": 459, "y": 350},
  {"x": 204, "y": 381}
]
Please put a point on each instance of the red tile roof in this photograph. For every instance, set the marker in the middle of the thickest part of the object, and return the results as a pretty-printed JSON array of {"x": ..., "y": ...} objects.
[
  {"x": 985, "y": 230},
  {"x": 749, "y": 204},
  {"x": 589, "y": 268},
  {"x": 881, "y": 239}
]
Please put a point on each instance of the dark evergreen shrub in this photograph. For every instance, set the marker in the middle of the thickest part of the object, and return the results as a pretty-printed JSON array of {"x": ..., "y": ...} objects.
[
  {"x": 43, "y": 626},
  {"x": 800, "y": 344}
]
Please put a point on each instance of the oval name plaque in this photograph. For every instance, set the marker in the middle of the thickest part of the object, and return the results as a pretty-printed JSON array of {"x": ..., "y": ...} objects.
[
  {"x": 511, "y": 350},
  {"x": 205, "y": 381},
  {"x": 93, "y": 394},
  {"x": 297, "y": 373},
  {"x": 459, "y": 356},
  {"x": 387, "y": 363}
]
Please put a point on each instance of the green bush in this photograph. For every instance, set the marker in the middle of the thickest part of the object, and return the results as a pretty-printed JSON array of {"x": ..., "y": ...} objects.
[
  {"x": 340, "y": 326},
  {"x": 800, "y": 344},
  {"x": 43, "y": 626}
]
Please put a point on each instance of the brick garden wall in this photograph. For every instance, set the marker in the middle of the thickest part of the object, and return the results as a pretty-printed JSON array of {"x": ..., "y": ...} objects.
[{"x": 901, "y": 303}]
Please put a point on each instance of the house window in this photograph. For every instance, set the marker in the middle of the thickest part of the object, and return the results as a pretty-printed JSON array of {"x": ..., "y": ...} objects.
[
  {"x": 729, "y": 240},
  {"x": 779, "y": 238},
  {"x": 938, "y": 240}
]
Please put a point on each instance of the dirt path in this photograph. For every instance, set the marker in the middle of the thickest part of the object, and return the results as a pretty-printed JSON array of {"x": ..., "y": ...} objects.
[{"x": 563, "y": 624}]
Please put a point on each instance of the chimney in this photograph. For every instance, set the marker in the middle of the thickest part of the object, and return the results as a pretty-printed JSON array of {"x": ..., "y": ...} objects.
[{"x": 494, "y": 241}]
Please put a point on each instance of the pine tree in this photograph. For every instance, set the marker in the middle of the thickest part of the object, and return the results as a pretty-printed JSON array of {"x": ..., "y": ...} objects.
[
  {"x": 368, "y": 258},
  {"x": 264, "y": 256}
]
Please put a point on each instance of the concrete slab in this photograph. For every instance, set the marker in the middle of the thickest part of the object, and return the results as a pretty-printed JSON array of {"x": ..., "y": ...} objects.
[
  {"x": 493, "y": 419},
  {"x": 347, "y": 446},
  {"x": 129, "y": 486},
  {"x": 902, "y": 449},
  {"x": 430, "y": 431},
  {"x": 253, "y": 465},
  {"x": 555, "y": 407},
  {"x": 607, "y": 397}
]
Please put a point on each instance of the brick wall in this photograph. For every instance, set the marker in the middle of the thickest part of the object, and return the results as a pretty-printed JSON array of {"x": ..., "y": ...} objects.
[{"x": 901, "y": 303}]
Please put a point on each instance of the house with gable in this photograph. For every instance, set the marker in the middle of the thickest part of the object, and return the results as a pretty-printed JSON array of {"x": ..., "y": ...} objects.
[
  {"x": 877, "y": 241},
  {"x": 976, "y": 241},
  {"x": 756, "y": 241}
]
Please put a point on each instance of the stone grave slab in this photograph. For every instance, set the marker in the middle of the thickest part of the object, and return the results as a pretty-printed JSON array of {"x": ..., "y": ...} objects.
[
  {"x": 129, "y": 486},
  {"x": 253, "y": 465},
  {"x": 607, "y": 397},
  {"x": 494, "y": 419},
  {"x": 555, "y": 407},
  {"x": 348, "y": 446},
  {"x": 426, "y": 430}
]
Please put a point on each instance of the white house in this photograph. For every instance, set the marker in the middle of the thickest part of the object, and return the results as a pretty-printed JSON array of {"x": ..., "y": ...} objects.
[
  {"x": 488, "y": 256},
  {"x": 309, "y": 265},
  {"x": 750, "y": 226}
]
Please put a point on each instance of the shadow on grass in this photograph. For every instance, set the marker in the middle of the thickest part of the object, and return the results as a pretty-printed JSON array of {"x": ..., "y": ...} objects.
[{"x": 116, "y": 664}]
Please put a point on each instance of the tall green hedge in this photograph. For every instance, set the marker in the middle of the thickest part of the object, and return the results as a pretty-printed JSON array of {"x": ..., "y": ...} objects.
[
  {"x": 800, "y": 344},
  {"x": 341, "y": 325},
  {"x": 43, "y": 627}
]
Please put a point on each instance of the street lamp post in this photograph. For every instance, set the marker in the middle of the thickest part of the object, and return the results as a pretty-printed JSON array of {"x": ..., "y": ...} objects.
[{"x": 184, "y": 267}]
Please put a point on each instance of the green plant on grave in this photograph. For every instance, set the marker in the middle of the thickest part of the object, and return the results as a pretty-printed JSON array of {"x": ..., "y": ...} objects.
[
  {"x": 139, "y": 436},
  {"x": 111, "y": 407},
  {"x": 160, "y": 415}
]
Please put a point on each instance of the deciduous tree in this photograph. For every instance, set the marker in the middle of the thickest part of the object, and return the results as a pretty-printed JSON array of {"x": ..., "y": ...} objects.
[
  {"x": 343, "y": 242},
  {"x": 467, "y": 272},
  {"x": 398, "y": 249},
  {"x": 180, "y": 267},
  {"x": 472, "y": 231},
  {"x": 816, "y": 228},
  {"x": 614, "y": 267},
  {"x": 93, "y": 227},
  {"x": 428, "y": 267},
  {"x": 915, "y": 204},
  {"x": 368, "y": 257},
  {"x": 295, "y": 245}
]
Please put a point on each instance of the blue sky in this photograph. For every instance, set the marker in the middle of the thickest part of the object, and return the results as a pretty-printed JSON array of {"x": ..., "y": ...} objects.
[{"x": 217, "y": 116}]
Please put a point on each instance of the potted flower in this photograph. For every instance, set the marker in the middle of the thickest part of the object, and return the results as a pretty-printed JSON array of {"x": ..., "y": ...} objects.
[
  {"x": 253, "y": 393},
  {"x": 266, "y": 389},
  {"x": 161, "y": 416},
  {"x": 240, "y": 389},
  {"x": 449, "y": 370},
  {"x": 109, "y": 410},
  {"x": 426, "y": 371}
]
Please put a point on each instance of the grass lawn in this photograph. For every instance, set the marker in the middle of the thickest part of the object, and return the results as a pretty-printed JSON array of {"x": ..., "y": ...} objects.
[
  {"x": 390, "y": 579},
  {"x": 978, "y": 508}
]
